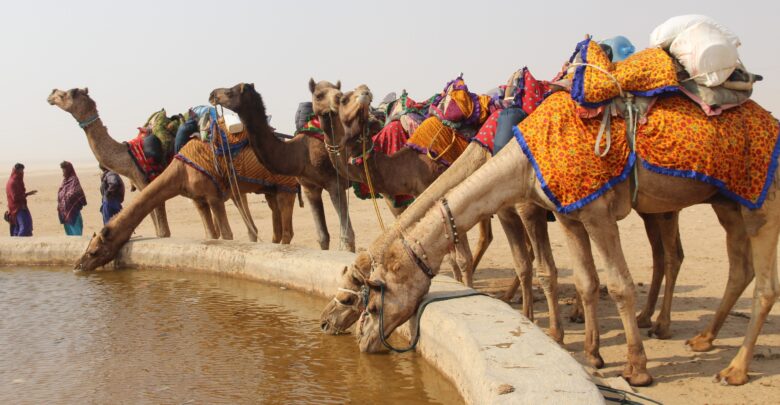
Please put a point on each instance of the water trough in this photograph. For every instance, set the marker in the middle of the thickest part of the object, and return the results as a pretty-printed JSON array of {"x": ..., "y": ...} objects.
[{"x": 491, "y": 352}]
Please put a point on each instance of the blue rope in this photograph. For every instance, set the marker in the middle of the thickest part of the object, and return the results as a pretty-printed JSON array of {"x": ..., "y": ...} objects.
[{"x": 89, "y": 121}]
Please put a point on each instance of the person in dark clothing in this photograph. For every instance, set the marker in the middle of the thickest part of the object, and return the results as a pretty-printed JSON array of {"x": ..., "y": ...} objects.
[
  {"x": 190, "y": 126},
  {"x": 112, "y": 189},
  {"x": 18, "y": 215}
]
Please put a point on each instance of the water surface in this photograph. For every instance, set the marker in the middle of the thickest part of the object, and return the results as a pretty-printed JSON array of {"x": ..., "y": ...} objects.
[{"x": 145, "y": 336}]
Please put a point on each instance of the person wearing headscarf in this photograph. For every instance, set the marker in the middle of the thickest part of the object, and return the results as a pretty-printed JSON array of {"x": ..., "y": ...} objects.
[
  {"x": 70, "y": 201},
  {"x": 18, "y": 215},
  {"x": 112, "y": 189}
]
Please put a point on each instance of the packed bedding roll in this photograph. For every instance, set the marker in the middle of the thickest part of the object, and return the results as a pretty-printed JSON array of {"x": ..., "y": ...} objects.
[
  {"x": 707, "y": 54},
  {"x": 664, "y": 34}
]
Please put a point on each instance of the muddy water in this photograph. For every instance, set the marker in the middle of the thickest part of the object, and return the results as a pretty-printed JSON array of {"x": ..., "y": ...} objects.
[{"x": 163, "y": 337}]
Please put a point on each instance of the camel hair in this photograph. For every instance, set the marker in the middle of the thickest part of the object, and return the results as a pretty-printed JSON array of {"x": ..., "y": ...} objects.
[
  {"x": 112, "y": 154},
  {"x": 304, "y": 157},
  {"x": 754, "y": 231},
  {"x": 177, "y": 179},
  {"x": 406, "y": 172},
  {"x": 526, "y": 217},
  {"x": 109, "y": 153}
]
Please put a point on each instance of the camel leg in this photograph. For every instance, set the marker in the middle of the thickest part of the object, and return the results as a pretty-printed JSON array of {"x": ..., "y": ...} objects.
[
  {"x": 515, "y": 234},
  {"x": 606, "y": 237},
  {"x": 276, "y": 216},
  {"x": 652, "y": 228},
  {"x": 673, "y": 258},
  {"x": 251, "y": 228},
  {"x": 347, "y": 236},
  {"x": 763, "y": 227},
  {"x": 286, "y": 204},
  {"x": 485, "y": 237},
  {"x": 220, "y": 217},
  {"x": 205, "y": 217},
  {"x": 314, "y": 197},
  {"x": 160, "y": 219},
  {"x": 587, "y": 282},
  {"x": 535, "y": 220},
  {"x": 740, "y": 274},
  {"x": 158, "y": 215}
]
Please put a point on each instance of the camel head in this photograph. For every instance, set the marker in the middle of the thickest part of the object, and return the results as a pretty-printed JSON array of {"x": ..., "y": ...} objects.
[
  {"x": 325, "y": 97},
  {"x": 241, "y": 96},
  {"x": 354, "y": 110},
  {"x": 101, "y": 250},
  {"x": 75, "y": 101},
  {"x": 404, "y": 286},
  {"x": 345, "y": 308}
]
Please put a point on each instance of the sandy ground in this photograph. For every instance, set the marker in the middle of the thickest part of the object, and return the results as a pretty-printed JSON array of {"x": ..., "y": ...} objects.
[{"x": 681, "y": 376}]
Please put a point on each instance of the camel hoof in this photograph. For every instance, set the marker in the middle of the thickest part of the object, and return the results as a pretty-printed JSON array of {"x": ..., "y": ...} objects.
[
  {"x": 640, "y": 379},
  {"x": 660, "y": 332},
  {"x": 595, "y": 360},
  {"x": 700, "y": 343},
  {"x": 732, "y": 376},
  {"x": 643, "y": 321},
  {"x": 556, "y": 335}
]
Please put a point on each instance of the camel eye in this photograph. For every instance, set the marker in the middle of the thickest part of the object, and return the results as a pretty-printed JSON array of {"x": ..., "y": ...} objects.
[
  {"x": 348, "y": 301},
  {"x": 319, "y": 96}
]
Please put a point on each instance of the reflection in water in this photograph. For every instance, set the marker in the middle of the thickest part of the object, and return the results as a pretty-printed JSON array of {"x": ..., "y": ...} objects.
[{"x": 162, "y": 337}]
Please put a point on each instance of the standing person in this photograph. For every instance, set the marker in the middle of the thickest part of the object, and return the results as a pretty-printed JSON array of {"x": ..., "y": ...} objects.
[
  {"x": 112, "y": 189},
  {"x": 18, "y": 215},
  {"x": 70, "y": 201}
]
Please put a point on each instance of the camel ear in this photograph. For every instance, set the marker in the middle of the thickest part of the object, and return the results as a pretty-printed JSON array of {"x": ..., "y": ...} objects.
[
  {"x": 251, "y": 85},
  {"x": 338, "y": 84},
  {"x": 86, "y": 90},
  {"x": 104, "y": 233},
  {"x": 312, "y": 85},
  {"x": 344, "y": 270}
]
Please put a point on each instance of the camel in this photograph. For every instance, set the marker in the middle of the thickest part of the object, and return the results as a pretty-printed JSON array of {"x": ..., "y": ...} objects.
[
  {"x": 406, "y": 172},
  {"x": 753, "y": 231},
  {"x": 108, "y": 152},
  {"x": 662, "y": 231},
  {"x": 303, "y": 157}
]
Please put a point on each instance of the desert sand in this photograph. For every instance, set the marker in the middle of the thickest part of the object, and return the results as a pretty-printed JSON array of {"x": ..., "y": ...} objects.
[{"x": 681, "y": 376}]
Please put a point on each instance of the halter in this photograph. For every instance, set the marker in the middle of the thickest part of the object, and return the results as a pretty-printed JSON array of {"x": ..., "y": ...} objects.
[
  {"x": 89, "y": 121},
  {"x": 334, "y": 149}
]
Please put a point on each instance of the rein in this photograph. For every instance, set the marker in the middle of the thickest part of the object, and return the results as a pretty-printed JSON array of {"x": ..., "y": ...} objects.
[
  {"x": 418, "y": 318},
  {"x": 89, "y": 121}
]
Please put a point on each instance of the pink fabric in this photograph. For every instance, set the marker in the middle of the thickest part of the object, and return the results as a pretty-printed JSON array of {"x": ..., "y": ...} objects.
[{"x": 16, "y": 193}]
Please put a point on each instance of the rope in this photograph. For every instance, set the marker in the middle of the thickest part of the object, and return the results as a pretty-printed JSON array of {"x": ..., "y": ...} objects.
[
  {"x": 231, "y": 175},
  {"x": 420, "y": 310},
  {"x": 370, "y": 183},
  {"x": 433, "y": 140},
  {"x": 343, "y": 224},
  {"x": 624, "y": 396},
  {"x": 88, "y": 121}
]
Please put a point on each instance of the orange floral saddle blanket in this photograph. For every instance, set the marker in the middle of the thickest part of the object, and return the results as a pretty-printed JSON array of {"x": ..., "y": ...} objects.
[
  {"x": 595, "y": 78},
  {"x": 215, "y": 158},
  {"x": 736, "y": 152}
]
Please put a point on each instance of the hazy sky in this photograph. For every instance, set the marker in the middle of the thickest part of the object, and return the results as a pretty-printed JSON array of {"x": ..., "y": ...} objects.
[{"x": 138, "y": 56}]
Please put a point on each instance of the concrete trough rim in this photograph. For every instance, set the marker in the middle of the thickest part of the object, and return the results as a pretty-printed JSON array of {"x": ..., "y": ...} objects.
[{"x": 490, "y": 351}]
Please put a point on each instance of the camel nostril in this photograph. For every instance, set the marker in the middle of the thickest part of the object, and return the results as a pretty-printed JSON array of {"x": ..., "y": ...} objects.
[{"x": 324, "y": 325}]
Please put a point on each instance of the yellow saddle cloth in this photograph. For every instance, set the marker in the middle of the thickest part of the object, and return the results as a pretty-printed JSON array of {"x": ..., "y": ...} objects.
[
  {"x": 214, "y": 160},
  {"x": 736, "y": 151}
]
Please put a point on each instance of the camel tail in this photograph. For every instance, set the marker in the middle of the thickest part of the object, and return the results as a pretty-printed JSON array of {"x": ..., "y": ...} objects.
[{"x": 300, "y": 196}]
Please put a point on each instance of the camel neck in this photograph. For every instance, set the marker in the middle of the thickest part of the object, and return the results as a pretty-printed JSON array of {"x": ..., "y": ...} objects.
[
  {"x": 105, "y": 148},
  {"x": 278, "y": 156}
]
